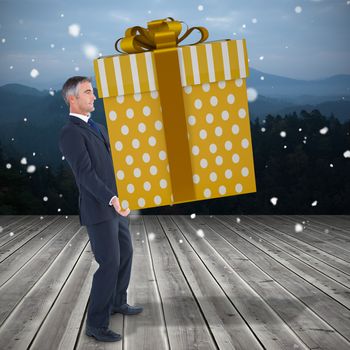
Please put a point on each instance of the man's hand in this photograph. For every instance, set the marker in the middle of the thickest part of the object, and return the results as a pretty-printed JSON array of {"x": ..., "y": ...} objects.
[{"x": 116, "y": 205}]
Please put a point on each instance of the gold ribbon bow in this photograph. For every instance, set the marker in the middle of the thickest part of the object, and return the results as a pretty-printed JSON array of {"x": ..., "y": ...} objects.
[{"x": 160, "y": 34}]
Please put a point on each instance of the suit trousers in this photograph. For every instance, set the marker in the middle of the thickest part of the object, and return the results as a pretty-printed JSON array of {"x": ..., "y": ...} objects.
[{"x": 112, "y": 248}]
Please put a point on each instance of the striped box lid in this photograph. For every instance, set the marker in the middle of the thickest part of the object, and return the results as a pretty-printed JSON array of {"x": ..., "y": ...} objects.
[{"x": 209, "y": 62}]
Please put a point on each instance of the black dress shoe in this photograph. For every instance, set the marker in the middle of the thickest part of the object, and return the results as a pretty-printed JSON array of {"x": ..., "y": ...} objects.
[
  {"x": 127, "y": 309},
  {"x": 102, "y": 334}
]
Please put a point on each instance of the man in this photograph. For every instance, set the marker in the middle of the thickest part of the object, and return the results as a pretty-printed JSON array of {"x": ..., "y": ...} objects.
[{"x": 85, "y": 145}]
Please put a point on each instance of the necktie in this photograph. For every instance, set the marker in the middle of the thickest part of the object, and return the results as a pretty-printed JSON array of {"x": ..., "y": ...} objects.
[{"x": 94, "y": 126}]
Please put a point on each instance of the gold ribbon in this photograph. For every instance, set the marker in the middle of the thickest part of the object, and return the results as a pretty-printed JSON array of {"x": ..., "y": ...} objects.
[
  {"x": 160, "y": 34},
  {"x": 162, "y": 37}
]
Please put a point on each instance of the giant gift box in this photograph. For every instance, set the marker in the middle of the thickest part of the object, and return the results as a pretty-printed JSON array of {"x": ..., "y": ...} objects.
[{"x": 177, "y": 116}]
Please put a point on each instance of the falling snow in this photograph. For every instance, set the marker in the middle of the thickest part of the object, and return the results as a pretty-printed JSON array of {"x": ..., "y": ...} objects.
[
  {"x": 238, "y": 220},
  {"x": 45, "y": 199},
  {"x": 298, "y": 228},
  {"x": 254, "y": 20},
  {"x": 324, "y": 131},
  {"x": 24, "y": 160},
  {"x": 262, "y": 78},
  {"x": 34, "y": 73},
  {"x": 74, "y": 30},
  {"x": 314, "y": 203},
  {"x": 252, "y": 94},
  {"x": 346, "y": 154},
  {"x": 11, "y": 234},
  {"x": 193, "y": 216},
  {"x": 180, "y": 241},
  {"x": 298, "y": 9},
  {"x": 200, "y": 233},
  {"x": 52, "y": 93},
  {"x": 31, "y": 169},
  {"x": 274, "y": 200},
  {"x": 90, "y": 51},
  {"x": 151, "y": 236},
  {"x": 261, "y": 58},
  {"x": 283, "y": 134},
  {"x": 263, "y": 129},
  {"x": 200, "y": 7},
  {"x": 8, "y": 166},
  {"x": 3, "y": 40}
]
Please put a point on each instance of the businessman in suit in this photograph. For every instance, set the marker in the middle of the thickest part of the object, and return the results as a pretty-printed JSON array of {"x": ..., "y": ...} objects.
[{"x": 85, "y": 145}]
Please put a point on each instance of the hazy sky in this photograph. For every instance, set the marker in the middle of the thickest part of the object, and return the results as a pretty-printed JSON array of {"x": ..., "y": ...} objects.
[{"x": 304, "y": 39}]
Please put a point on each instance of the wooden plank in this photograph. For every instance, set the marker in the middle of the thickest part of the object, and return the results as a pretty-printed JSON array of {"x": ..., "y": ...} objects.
[
  {"x": 334, "y": 224},
  {"x": 6, "y": 220},
  {"x": 313, "y": 331},
  {"x": 336, "y": 290},
  {"x": 63, "y": 322},
  {"x": 25, "y": 234},
  {"x": 146, "y": 330},
  {"x": 186, "y": 327},
  {"x": 335, "y": 314},
  {"x": 14, "y": 228},
  {"x": 265, "y": 324},
  {"x": 21, "y": 256},
  {"x": 309, "y": 237},
  {"x": 226, "y": 324},
  {"x": 25, "y": 320},
  {"x": 281, "y": 237},
  {"x": 337, "y": 238},
  {"x": 21, "y": 283}
]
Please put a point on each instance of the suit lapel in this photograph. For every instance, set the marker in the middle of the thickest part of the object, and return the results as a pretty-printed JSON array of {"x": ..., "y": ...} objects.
[{"x": 81, "y": 123}]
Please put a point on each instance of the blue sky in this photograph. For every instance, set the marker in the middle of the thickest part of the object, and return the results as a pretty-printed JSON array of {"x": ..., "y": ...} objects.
[{"x": 305, "y": 39}]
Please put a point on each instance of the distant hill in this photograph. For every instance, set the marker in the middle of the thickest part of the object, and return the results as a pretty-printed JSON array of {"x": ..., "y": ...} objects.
[
  {"x": 334, "y": 87},
  {"x": 46, "y": 112}
]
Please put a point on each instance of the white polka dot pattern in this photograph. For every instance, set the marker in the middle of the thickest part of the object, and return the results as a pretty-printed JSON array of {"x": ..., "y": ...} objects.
[{"x": 218, "y": 124}]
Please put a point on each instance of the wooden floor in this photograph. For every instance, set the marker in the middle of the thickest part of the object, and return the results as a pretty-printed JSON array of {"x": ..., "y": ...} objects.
[{"x": 212, "y": 282}]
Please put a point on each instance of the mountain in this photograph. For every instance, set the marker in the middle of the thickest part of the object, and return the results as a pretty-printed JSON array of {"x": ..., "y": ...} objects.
[{"x": 331, "y": 88}]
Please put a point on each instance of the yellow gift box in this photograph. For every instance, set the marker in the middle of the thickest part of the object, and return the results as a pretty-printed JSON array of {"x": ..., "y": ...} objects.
[{"x": 177, "y": 117}]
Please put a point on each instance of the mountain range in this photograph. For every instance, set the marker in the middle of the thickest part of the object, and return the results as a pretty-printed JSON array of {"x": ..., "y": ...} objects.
[{"x": 30, "y": 119}]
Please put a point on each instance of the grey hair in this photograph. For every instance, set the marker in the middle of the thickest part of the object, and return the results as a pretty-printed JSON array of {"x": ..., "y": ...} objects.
[{"x": 71, "y": 87}]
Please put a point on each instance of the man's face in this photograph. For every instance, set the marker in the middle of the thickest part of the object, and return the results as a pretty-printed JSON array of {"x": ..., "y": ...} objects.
[{"x": 84, "y": 102}]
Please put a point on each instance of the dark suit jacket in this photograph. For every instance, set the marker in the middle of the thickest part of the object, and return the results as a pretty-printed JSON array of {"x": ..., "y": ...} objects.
[{"x": 88, "y": 154}]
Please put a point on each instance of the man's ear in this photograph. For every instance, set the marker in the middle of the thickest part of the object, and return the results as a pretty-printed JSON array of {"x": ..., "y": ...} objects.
[{"x": 71, "y": 99}]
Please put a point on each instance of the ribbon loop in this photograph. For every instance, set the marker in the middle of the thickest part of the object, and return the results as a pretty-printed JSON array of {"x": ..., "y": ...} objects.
[{"x": 159, "y": 34}]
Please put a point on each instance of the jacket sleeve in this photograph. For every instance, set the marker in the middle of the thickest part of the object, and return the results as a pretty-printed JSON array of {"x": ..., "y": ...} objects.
[{"x": 73, "y": 148}]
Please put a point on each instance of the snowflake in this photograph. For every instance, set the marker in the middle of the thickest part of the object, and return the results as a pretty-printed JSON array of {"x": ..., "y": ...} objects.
[
  {"x": 25, "y": 119},
  {"x": 324, "y": 131},
  {"x": 254, "y": 20},
  {"x": 252, "y": 94},
  {"x": 200, "y": 7},
  {"x": 90, "y": 51},
  {"x": 74, "y": 30},
  {"x": 298, "y": 9},
  {"x": 274, "y": 200},
  {"x": 151, "y": 236},
  {"x": 180, "y": 241},
  {"x": 314, "y": 203},
  {"x": 52, "y": 93},
  {"x": 45, "y": 199},
  {"x": 52, "y": 46},
  {"x": 34, "y": 73},
  {"x": 238, "y": 220},
  {"x": 263, "y": 129},
  {"x": 24, "y": 160},
  {"x": 8, "y": 166},
  {"x": 193, "y": 216},
  {"x": 11, "y": 67},
  {"x": 298, "y": 228},
  {"x": 31, "y": 169},
  {"x": 262, "y": 78},
  {"x": 346, "y": 154},
  {"x": 261, "y": 58},
  {"x": 59, "y": 209},
  {"x": 331, "y": 165},
  {"x": 200, "y": 233},
  {"x": 11, "y": 234},
  {"x": 3, "y": 40},
  {"x": 283, "y": 134}
]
